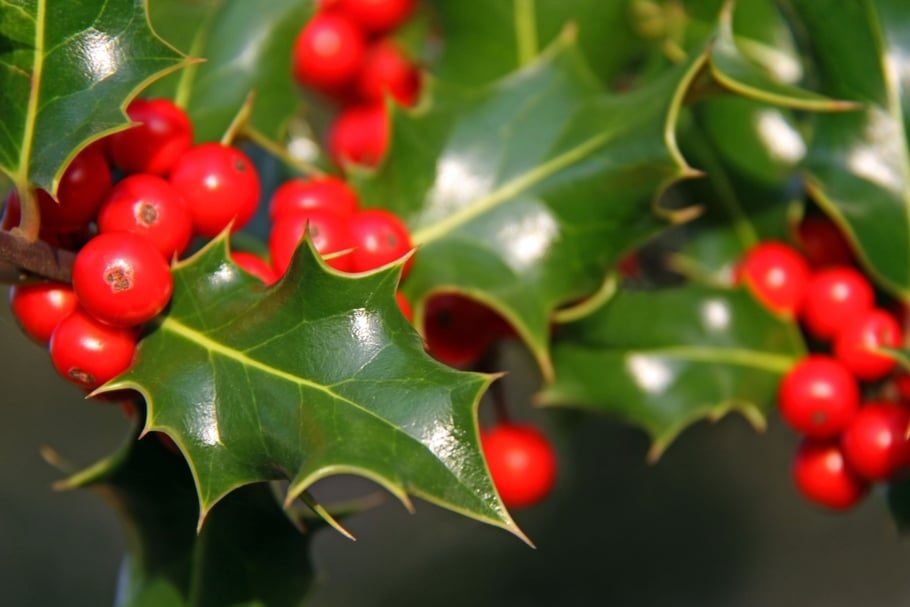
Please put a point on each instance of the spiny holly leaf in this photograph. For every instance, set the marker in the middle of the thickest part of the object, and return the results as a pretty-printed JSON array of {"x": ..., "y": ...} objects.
[
  {"x": 748, "y": 193},
  {"x": 858, "y": 164},
  {"x": 754, "y": 55},
  {"x": 247, "y": 48},
  {"x": 67, "y": 70},
  {"x": 858, "y": 161},
  {"x": 664, "y": 359},
  {"x": 318, "y": 375},
  {"x": 483, "y": 40},
  {"x": 248, "y": 553},
  {"x": 522, "y": 194}
]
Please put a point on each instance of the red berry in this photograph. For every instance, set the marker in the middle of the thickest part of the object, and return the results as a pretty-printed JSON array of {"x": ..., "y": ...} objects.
[
  {"x": 163, "y": 133},
  {"x": 376, "y": 15},
  {"x": 150, "y": 207},
  {"x": 405, "y": 306},
  {"x": 121, "y": 279},
  {"x": 868, "y": 331},
  {"x": 823, "y": 242},
  {"x": 522, "y": 463},
  {"x": 84, "y": 184},
  {"x": 902, "y": 386},
  {"x": 219, "y": 185},
  {"x": 89, "y": 353},
  {"x": 40, "y": 307},
  {"x": 255, "y": 265},
  {"x": 875, "y": 443},
  {"x": 386, "y": 70},
  {"x": 328, "y": 231},
  {"x": 458, "y": 330},
  {"x": 360, "y": 135},
  {"x": 327, "y": 193},
  {"x": 833, "y": 297},
  {"x": 328, "y": 52},
  {"x": 776, "y": 274},
  {"x": 823, "y": 476},
  {"x": 379, "y": 238},
  {"x": 819, "y": 397}
]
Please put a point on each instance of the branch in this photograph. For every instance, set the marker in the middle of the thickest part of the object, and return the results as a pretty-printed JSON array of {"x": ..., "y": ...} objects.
[{"x": 37, "y": 258}]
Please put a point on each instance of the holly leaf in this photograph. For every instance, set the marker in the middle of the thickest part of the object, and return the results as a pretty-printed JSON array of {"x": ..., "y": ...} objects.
[
  {"x": 249, "y": 552},
  {"x": 754, "y": 55},
  {"x": 749, "y": 193},
  {"x": 858, "y": 162},
  {"x": 662, "y": 360},
  {"x": 318, "y": 375},
  {"x": 67, "y": 71},
  {"x": 523, "y": 194},
  {"x": 247, "y": 48},
  {"x": 509, "y": 34}
]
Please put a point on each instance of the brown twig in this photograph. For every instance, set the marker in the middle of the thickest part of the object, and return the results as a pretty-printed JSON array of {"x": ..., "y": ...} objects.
[{"x": 37, "y": 258}]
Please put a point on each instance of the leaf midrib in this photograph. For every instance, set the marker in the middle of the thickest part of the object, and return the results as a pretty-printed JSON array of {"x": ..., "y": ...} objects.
[
  {"x": 509, "y": 190},
  {"x": 777, "y": 363},
  {"x": 31, "y": 110},
  {"x": 197, "y": 338}
]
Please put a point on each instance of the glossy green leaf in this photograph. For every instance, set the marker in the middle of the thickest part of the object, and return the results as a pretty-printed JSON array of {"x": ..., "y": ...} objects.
[
  {"x": 662, "y": 360},
  {"x": 318, "y": 375},
  {"x": 484, "y": 40},
  {"x": 67, "y": 70},
  {"x": 747, "y": 151},
  {"x": 859, "y": 168},
  {"x": 754, "y": 55},
  {"x": 247, "y": 48},
  {"x": 524, "y": 193},
  {"x": 250, "y": 553}
]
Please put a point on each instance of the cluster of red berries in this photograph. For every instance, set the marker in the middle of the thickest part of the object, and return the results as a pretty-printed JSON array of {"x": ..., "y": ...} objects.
[
  {"x": 127, "y": 233},
  {"x": 850, "y": 441},
  {"x": 346, "y": 52}
]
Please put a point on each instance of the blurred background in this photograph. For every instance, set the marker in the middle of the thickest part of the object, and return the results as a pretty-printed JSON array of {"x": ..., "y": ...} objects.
[{"x": 715, "y": 522}]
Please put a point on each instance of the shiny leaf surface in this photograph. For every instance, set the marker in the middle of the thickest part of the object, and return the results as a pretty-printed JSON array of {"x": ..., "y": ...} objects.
[
  {"x": 248, "y": 553},
  {"x": 748, "y": 152},
  {"x": 247, "y": 48},
  {"x": 67, "y": 70},
  {"x": 524, "y": 193},
  {"x": 858, "y": 164},
  {"x": 662, "y": 360},
  {"x": 318, "y": 375}
]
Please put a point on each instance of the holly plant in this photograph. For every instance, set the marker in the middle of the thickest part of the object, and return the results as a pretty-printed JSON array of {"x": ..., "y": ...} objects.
[{"x": 290, "y": 238}]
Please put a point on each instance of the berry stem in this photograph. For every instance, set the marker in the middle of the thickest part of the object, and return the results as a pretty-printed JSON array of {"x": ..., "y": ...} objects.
[
  {"x": 36, "y": 257},
  {"x": 241, "y": 119},
  {"x": 301, "y": 166}
]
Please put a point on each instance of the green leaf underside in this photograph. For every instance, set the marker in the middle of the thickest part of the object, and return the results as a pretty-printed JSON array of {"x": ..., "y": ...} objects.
[
  {"x": 247, "y": 48},
  {"x": 67, "y": 70},
  {"x": 508, "y": 34},
  {"x": 249, "y": 552},
  {"x": 318, "y": 375},
  {"x": 524, "y": 193},
  {"x": 661, "y": 360}
]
